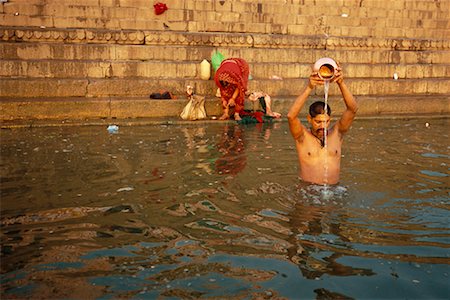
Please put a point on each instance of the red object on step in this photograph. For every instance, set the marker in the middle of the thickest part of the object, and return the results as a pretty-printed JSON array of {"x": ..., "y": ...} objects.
[{"x": 160, "y": 8}]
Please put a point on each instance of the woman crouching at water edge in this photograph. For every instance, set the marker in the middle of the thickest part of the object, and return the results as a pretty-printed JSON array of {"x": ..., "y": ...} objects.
[
  {"x": 232, "y": 78},
  {"x": 320, "y": 164}
]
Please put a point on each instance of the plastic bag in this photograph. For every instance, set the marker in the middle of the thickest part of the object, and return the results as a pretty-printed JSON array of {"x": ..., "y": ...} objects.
[
  {"x": 195, "y": 109},
  {"x": 216, "y": 60}
]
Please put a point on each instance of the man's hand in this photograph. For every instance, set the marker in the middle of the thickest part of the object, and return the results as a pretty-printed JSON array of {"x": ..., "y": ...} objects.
[
  {"x": 339, "y": 76},
  {"x": 315, "y": 80}
]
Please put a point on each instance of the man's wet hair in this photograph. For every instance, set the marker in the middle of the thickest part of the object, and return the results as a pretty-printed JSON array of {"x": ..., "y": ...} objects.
[{"x": 318, "y": 108}]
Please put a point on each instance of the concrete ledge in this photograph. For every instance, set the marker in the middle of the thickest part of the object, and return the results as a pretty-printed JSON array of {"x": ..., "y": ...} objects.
[
  {"x": 78, "y": 108},
  {"x": 29, "y": 110},
  {"x": 129, "y": 87}
]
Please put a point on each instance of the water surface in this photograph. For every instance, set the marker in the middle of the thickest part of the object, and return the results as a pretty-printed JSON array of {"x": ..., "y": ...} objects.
[{"x": 217, "y": 211}]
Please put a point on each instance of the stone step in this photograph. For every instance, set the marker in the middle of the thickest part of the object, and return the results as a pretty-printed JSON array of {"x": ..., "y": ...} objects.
[
  {"x": 221, "y": 39},
  {"x": 275, "y": 4},
  {"x": 154, "y": 69},
  {"x": 437, "y": 31},
  {"x": 143, "y": 87},
  {"x": 253, "y": 12},
  {"x": 132, "y": 107},
  {"x": 174, "y": 53},
  {"x": 270, "y": 18}
]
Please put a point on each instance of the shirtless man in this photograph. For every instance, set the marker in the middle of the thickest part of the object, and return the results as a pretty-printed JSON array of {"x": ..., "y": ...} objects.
[{"x": 317, "y": 166}]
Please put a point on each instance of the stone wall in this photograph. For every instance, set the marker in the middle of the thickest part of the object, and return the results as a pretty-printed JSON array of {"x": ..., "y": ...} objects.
[{"x": 105, "y": 49}]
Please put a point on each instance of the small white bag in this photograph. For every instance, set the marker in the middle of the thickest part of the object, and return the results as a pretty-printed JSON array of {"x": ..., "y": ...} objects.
[{"x": 194, "y": 109}]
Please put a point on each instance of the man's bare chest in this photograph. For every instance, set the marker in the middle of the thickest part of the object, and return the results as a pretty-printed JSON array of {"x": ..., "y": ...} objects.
[{"x": 313, "y": 147}]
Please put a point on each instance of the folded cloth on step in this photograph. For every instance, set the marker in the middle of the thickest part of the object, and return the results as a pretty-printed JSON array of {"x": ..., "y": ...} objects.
[
  {"x": 250, "y": 117},
  {"x": 162, "y": 95}
]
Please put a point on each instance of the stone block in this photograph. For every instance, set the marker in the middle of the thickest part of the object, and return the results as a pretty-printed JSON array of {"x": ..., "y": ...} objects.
[
  {"x": 134, "y": 3},
  {"x": 223, "y": 6},
  {"x": 359, "y": 87},
  {"x": 17, "y": 88},
  {"x": 172, "y": 15},
  {"x": 200, "y": 5},
  {"x": 301, "y": 30},
  {"x": 309, "y": 10},
  {"x": 377, "y": 12},
  {"x": 284, "y": 70},
  {"x": 280, "y": 8},
  {"x": 81, "y": 22},
  {"x": 23, "y": 9},
  {"x": 247, "y": 8},
  {"x": 124, "y": 13},
  {"x": 109, "y": 3},
  {"x": 76, "y": 108},
  {"x": 227, "y": 17},
  {"x": 23, "y": 20},
  {"x": 134, "y": 108},
  {"x": 144, "y": 108},
  {"x": 414, "y": 71},
  {"x": 356, "y": 70},
  {"x": 176, "y": 25},
  {"x": 350, "y": 21},
  {"x": 148, "y": 14},
  {"x": 438, "y": 86},
  {"x": 135, "y": 87},
  {"x": 64, "y": 69},
  {"x": 304, "y": 20},
  {"x": 204, "y": 16},
  {"x": 442, "y": 24}
]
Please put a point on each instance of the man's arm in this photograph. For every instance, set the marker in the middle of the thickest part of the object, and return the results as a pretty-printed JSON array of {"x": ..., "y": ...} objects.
[
  {"x": 295, "y": 126},
  {"x": 346, "y": 120}
]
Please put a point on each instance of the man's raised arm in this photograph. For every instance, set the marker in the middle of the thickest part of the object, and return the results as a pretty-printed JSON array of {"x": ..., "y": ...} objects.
[
  {"x": 351, "y": 106},
  {"x": 295, "y": 126}
]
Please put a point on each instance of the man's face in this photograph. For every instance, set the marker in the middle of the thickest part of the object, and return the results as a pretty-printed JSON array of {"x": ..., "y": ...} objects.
[{"x": 318, "y": 124}]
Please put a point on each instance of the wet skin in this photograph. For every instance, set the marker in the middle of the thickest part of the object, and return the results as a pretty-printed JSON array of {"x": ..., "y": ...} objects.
[
  {"x": 320, "y": 164},
  {"x": 320, "y": 158}
]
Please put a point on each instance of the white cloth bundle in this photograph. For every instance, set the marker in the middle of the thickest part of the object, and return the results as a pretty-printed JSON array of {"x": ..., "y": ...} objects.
[{"x": 194, "y": 109}]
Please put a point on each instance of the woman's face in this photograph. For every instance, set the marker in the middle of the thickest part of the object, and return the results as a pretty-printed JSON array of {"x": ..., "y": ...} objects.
[{"x": 224, "y": 83}]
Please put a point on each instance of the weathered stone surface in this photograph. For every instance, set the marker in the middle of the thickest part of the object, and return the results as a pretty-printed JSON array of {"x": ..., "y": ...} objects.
[
  {"x": 129, "y": 108},
  {"x": 33, "y": 88},
  {"x": 45, "y": 108},
  {"x": 124, "y": 107}
]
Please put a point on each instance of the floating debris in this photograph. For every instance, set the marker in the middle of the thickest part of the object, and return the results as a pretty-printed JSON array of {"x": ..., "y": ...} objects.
[
  {"x": 125, "y": 189},
  {"x": 113, "y": 128}
]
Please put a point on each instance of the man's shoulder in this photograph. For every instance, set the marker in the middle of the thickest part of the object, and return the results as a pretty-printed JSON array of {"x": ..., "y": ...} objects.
[{"x": 305, "y": 137}]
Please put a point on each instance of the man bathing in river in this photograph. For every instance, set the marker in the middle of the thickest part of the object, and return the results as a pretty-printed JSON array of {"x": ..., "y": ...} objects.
[{"x": 320, "y": 164}]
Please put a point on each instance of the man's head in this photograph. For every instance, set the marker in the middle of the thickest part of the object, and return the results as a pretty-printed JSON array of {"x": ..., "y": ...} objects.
[{"x": 319, "y": 118}]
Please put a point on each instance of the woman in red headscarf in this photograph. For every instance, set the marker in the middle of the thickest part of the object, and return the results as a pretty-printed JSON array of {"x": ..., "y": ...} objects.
[{"x": 232, "y": 78}]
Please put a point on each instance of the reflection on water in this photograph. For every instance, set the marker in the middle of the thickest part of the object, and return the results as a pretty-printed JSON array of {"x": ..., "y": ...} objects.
[{"x": 217, "y": 211}]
